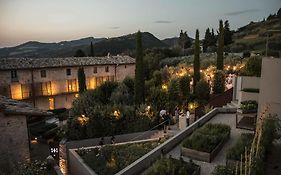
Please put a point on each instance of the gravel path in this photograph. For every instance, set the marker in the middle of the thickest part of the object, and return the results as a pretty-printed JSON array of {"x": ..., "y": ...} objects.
[{"x": 207, "y": 168}]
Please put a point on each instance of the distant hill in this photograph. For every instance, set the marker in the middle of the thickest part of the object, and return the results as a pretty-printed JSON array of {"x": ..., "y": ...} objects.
[
  {"x": 253, "y": 36},
  {"x": 38, "y": 49},
  {"x": 127, "y": 43},
  {"x": 172, "y": 42},
  {"x": 102, "y": 46}
]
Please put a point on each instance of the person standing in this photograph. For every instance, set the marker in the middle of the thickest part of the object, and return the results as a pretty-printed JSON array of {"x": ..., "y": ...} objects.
[{"x": 187, "y": 117}]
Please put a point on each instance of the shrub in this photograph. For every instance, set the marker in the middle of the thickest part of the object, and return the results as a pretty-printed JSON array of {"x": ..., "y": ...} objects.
[
  {"x": 245, "y": 140},
  {"x": 249, "y": 105},
  {"x": 219, "y": 82},
  {"x": 207, "y": 137},
  {"x": 172, "y": 166},
  {"x": 253, "y": 67},
  {"x": 223, "y": 170},
  {"x": 253, "y": 90}
]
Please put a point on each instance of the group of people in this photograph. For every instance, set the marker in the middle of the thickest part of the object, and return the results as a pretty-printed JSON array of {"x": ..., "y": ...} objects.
[
  {"x": 178, "y": 113},
  {"x": 112, "y": 141}
]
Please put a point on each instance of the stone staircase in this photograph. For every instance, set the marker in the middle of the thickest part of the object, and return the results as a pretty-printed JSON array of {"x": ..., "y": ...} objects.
[{"x": 232, "y": 104}]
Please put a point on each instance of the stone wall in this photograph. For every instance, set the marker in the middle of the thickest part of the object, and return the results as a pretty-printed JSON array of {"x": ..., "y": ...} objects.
[
  {"x": 270, "y": 86},
  {"x": 14, "y": 145}
]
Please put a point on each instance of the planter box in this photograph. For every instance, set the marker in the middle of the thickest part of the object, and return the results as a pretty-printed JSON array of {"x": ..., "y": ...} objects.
[
  {"x": 204, "y": 156},
  {"x": 252, "y": 111}
]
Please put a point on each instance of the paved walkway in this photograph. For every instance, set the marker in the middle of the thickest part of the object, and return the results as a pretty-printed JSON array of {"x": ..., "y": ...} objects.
[{"x": 207, "y": 168}]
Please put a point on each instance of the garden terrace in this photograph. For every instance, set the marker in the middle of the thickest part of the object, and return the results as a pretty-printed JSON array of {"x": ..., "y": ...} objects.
[
  {"x": 220, "y": 159},
  {"x": 206, "y": 142},
  {"x": 110, "y": 159}
]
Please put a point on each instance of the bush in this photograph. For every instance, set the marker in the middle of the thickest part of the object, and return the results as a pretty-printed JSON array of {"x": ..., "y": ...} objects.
[
  {"x": 253, "y": 67},
  {"x": 172, "y": 166},
  {"x": 245, "y": 140},
  {"x": 223, "y": 170},
  {"x": 219, "y": 82},
  {"x": 249, "y": 105},
  {"x": 253, "y": 90},
  {"x": 207, "y": 137}
]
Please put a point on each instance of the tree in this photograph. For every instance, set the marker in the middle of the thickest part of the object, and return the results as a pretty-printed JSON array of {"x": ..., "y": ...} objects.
[
  {"x": 81, "y": 80},
  {"x": 253, "y": 67},
  {"x": 227, "y": 34},
  {"x": 184, "y": 40},
  {"x": 220, "y": 47},
  {"x": 92, "y": 50},
  {"x": 173, "y": 94},
  {"x": 207, "y": 40},
  {"x": 202, "y": 91},
  {"x": 184, "y": 86},
  {"x": 139, "y": 73},
  {"x": 219, "y": 82},
  {"x": 196, "y": 63},
  {"x": 79, "y": 53}
]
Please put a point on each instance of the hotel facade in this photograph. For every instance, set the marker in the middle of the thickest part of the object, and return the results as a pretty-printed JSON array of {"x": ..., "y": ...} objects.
[{"x": 52, "y": 83}]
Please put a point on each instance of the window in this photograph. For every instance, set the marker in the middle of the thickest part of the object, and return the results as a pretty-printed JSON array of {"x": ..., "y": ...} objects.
[
  {"x": 68, "y": 71},
  {"x": 14, "y": 74},
  {"x": 71, "y": 86},
  {"x": 43, "y": 73},
  {"x": 106, "y": 69},
  {"x": 26, "y": 90},
  {"x": 51, "y": 103},
  {"x": 46, "y": 88},
  {"x": 95, "y": 70},
  {"x": 125, "y": 66}
]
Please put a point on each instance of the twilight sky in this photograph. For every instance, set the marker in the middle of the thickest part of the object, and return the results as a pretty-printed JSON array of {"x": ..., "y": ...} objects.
[{"x": 57, "y": 20}]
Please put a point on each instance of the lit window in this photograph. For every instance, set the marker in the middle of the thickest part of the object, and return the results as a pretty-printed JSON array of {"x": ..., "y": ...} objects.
[
  {"x": 46, "y": 88},
  {"x": 106, "y": 69},
  {"x": 95, "y": 70},
  {"x": 51, "y": 103},
  {"x": 68, "y": 71},
  {"x": 43, "y": 73},
  {"x": 71, "y": 85}
]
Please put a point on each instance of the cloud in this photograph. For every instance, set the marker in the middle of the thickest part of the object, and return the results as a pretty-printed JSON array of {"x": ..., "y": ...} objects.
[
  {"x": 114, "y": 28},
  {"x": 241, "y": 12},
  {"x": 163, "y": 22}
]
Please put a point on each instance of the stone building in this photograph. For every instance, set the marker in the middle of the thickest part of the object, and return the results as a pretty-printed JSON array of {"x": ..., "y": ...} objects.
[
  {"x": 52, "y": 83},
  {"x": 14, "y": 140}
]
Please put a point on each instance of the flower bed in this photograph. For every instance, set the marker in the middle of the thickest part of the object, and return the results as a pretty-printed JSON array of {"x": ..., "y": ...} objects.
[
  {"x": 234, "y": 153},
  {"x": 110, "y": 159},
  {"x": 206, "y": 142},
  {"x": 173, "y": 166}
]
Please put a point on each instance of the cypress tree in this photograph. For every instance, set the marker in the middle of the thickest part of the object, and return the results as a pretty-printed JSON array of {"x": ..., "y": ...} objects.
[
  {"x": 81, "y": 80},
  {"x": 92, "y": 50},
  {"x": 196, "y": 63},
  {"x": 139, "y": 72},
  {"x": 220, "y": 47},
  {"x": 227, "y": 34},
  {"x": 207, "y": 40}
]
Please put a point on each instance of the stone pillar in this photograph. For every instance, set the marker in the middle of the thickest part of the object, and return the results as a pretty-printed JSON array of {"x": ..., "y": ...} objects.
[{"x": 182, "y": 122}]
